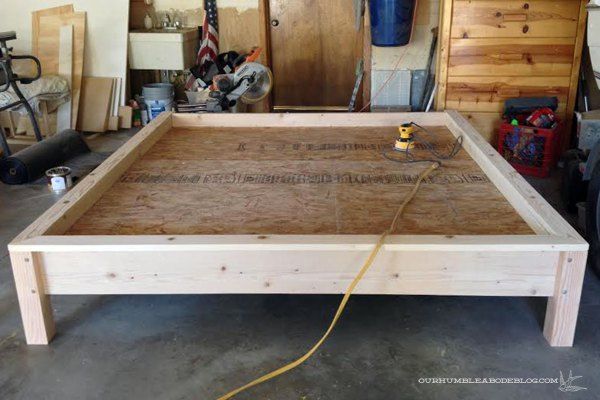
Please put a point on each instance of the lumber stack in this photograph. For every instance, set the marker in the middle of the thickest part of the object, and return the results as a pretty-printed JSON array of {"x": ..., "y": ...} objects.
[
  {"x": 58, "y": 40},
  {"x": 99, "y": 111}
]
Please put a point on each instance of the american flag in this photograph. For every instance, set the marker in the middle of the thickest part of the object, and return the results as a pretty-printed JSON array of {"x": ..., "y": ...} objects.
[
  {"x": 209, "y": 45},
  {"x": 209, "y": 48}
]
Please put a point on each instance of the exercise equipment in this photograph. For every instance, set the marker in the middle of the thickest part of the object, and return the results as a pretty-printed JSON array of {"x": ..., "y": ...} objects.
[{"x": 8, "y": 79}]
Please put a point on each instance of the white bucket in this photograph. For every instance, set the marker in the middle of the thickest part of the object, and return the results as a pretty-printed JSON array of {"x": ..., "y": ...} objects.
[{"x": 158, "y": 97}]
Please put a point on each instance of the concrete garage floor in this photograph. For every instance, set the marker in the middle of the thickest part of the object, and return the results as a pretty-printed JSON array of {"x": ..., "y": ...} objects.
[{"x": 199, "y": 347}]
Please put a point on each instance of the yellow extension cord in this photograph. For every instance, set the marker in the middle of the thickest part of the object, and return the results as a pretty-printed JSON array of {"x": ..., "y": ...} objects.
[{"x": 347, "y": 295}]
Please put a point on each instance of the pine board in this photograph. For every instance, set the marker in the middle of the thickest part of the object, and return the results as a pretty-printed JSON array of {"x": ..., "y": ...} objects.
[
  {"x": 49, "y": 51},
  {"x": 96, "y": 98}
]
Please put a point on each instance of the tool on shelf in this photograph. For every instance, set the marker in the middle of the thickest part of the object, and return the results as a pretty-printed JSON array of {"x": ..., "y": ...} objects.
[{"x": 250, "y": 83}]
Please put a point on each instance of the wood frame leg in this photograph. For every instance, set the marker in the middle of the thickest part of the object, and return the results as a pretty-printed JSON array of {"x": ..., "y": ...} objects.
[
  {"x": 563, "y": 306},
  {"x": 36, "y": 310}
]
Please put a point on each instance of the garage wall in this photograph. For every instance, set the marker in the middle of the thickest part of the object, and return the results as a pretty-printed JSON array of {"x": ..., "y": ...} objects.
[
  {"x": 415, "y": 54},
  {"x": 238, "y": 21},
  {"x": 106, "y": 36}
]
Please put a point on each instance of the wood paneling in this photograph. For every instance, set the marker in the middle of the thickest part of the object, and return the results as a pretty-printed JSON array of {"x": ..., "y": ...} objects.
[
  {"x": 486, "y": 123},
  {"x": 511, "y": 57},
  {"x": 489, "y": 93},
  {"x": 515, "y": 18},
  {"x": 491, "y": 51},
  {"x": 313, "y": 52}
]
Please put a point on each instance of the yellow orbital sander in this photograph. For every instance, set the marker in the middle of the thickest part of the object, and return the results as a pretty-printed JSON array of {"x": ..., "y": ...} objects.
[{"x": 406, "y": 140}]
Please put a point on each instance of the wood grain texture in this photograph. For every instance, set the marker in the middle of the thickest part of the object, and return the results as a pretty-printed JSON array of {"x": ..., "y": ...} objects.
[
  {"x": 58, "y": 218},
  {"x": 581, "y": 25},
  {"x": 264, "y": 35},
  {"x": 563, "y": 305},
  {"x": 95, "y": 109},
  {"x": 511, "y": 57},
  {"x": 35, "y": 23},
  {"x": 443, "y": 53},
  {"x": 34, "y": 302},
  {"x": 367, "y": 62},
  {"x": 278, "y": 243},
  {"x": 313, "y": 52},
  {"x": 481, "y": 264},
  {"x": 515, "y": 18},
  {"x": 294, "y": 181},
  {"x": 49, "y": 51},
  {"x": 501, "y": 50},
  {"x": 488, "y": 94},
  {"x": 305, "y": 271},
  {"x": 486, "y": 123},
  {"x": 65, "y": 70},
  {"x": 538, "y": 213}
]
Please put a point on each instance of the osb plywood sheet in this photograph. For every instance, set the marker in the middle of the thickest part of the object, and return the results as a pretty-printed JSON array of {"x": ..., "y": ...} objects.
[{"x": 296, "y": 181}]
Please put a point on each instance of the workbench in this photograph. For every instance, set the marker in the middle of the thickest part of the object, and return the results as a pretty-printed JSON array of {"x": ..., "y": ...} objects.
[{"x": 294, "y": 203}]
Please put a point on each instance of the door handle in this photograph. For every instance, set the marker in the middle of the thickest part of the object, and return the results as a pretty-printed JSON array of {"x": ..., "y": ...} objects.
[{"x": 274, "y": 22}]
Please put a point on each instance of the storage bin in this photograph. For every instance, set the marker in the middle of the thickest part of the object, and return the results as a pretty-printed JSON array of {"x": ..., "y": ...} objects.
[
  {"x": 531, "y": 151},
  {"x": 391, "y": 21}
]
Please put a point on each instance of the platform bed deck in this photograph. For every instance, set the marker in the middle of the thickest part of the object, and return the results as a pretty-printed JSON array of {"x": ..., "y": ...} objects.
[{"x": 293, "y": 203}]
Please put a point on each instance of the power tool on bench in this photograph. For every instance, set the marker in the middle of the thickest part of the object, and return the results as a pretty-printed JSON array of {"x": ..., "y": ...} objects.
[{"x": 249, "y": 83}]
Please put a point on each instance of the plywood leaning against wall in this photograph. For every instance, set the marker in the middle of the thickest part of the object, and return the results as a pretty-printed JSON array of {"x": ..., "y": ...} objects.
[
  {"x": 35, "y": 22},
  {"x": 65, "y": 70},
  {"x": 48, "y": 51},
  {"x": 96, "y": 100}
]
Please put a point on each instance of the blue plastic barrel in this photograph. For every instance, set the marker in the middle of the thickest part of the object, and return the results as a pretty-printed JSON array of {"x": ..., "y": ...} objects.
[{"x": 391, "y": 21}]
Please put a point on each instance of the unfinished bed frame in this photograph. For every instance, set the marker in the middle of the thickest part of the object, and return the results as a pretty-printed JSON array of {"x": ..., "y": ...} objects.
[{"x": 549, "y": 263}]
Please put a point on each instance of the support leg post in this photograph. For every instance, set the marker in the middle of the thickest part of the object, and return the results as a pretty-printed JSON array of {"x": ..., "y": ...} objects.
[
  {"x": 36, "y": 310},
  {"x": 563, "y": 306}
]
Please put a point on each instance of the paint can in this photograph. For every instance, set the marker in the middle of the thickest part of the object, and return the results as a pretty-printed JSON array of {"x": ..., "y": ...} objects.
[
  {"x": 159, "y": 97},
  {"x": 59, "y": 179}
]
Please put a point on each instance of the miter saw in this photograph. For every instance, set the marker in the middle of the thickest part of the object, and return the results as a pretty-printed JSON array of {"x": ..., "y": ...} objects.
[{"x": 250, "y": 83}]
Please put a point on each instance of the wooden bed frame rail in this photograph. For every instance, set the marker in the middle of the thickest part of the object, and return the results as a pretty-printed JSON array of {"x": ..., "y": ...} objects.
[{"x": 550, "y": 263}]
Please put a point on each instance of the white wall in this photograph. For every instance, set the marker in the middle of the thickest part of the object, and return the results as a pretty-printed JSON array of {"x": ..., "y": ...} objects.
[{"x": 106, "y": 34}]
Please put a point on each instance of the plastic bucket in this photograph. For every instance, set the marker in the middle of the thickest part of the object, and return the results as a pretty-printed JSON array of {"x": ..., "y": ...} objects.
[
  {"x": 391, "y": 21},
  {"x": 158, "y": 97}
]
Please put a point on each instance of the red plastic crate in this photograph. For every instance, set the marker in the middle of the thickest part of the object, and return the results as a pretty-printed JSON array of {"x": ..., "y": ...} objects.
[{"x": 531, "y": 151}]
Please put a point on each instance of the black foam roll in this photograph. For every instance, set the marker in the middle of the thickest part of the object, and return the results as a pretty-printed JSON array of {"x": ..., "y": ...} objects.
[{"x": 32, "y": 162}]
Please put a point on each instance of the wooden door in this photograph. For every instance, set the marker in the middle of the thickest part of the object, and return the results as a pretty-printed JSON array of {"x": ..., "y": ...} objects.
[{"x": 314, "y": 49}]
